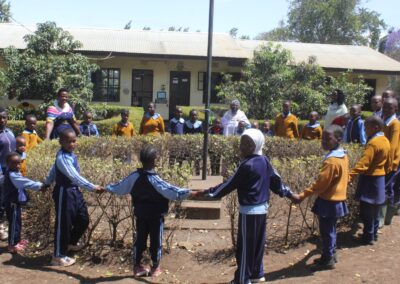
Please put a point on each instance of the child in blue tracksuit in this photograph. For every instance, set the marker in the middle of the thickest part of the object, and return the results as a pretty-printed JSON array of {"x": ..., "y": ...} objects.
[
  {"x": 252, "y": 179},
  {"x": 15, "y": 196},
  {"x": 72, "y": 218},
  {"x": 87, "y": 127},
  {"x": 355, "y": 130},
  {"x": 150, "y": 198}
]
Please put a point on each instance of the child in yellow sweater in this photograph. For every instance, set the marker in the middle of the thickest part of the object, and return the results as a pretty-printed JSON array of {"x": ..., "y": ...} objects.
[
  {"x": 313, "y": 129},
  {"x": 152, "y": 123},
  {"x": 29, "y": 133},
  {"x": 331, "y": 189},
  {"x": 286, "y": 123},
  {"x": 21, "y": 151},
  {"x": 371, "y": 184},
  {"x": 124, "y": 127}
]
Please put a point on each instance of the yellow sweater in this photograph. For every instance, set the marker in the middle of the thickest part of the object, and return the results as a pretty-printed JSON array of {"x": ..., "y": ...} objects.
[
  {"x": 331, "y": 183},
  {"x": 286, "y": 126},
  {"x": 392, "y": 133},
  {"x": 152, "y": 125},
  {"x": 373, "y": 160},
  {"x": 309, "y": 133},
  {"x": 123, "y": 130},
  {"x": 32, "y": 139}
]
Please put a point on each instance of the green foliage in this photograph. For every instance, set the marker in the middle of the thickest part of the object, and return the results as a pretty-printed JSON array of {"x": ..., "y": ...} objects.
[
  {"x": 5, "y": 11},
  {"x": 49, "y": 62},
  {"x": 3, "y": 83}
]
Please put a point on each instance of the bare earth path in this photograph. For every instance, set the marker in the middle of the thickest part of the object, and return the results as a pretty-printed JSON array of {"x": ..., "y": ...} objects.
[{"x": 207, "y": 262}]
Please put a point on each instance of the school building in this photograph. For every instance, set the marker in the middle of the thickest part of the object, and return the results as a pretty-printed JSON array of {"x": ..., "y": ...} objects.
[{"x": 169, "y": 67}]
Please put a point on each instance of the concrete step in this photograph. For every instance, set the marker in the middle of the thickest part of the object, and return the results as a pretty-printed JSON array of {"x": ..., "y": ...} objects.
[
  {"x": 196, "y": 183},
  {"x": 201, "y": 210}
]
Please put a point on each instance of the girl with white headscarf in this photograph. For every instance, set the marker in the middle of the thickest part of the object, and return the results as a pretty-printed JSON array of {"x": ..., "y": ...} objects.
[{"x": 252, "y": 180}]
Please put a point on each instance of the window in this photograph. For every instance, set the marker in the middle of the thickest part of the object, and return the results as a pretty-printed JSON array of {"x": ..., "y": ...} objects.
[
  {"x": 216, "y": 80},
  {"x": 106, "y": 85}
]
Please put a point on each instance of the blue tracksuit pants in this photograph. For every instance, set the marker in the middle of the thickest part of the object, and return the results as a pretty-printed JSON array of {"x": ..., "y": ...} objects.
[
  {"x": 250, "y": 247},
  {"x": 369, "y": 214},
  {"x": 13, "y": 212},
  {"x": 327, "y": 229},
  {"x": 72, "y": 218}
]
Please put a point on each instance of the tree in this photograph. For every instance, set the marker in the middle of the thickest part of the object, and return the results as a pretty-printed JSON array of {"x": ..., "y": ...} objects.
[
  {"x": 281, "y": 33},
  {"x": 233, "y": 32},
  {"x": 272, "y": 76},
  {"x": 146, "y": 28},
  {"x": 49, "y": 62},
  {"x": 5, "y": 12},
  {"x": 128, "y": 25},
  {"x": 330, "y": 21}
]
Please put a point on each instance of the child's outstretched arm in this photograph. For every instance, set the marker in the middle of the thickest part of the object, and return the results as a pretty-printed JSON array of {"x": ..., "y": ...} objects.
[
  {"x": 228, "y": 186},
  {"x": 124, "y": 186},
  {"x": 168, "y": 190},
  {"x": 277, "y": 186},
  {"x": 20, "y": 182},
  {"x": 51, "y": 176}
]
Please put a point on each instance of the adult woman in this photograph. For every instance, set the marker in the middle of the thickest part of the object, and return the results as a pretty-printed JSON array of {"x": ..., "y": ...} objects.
[
  {"x": 152, "y": 123},
  {"x": 232, "y": 117},
  {"x": 336, "y": 108},
  {"x": 60, "y": 116}
]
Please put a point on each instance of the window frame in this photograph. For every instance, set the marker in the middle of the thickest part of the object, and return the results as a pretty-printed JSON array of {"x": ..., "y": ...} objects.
[{"x": 112, "y": 91}]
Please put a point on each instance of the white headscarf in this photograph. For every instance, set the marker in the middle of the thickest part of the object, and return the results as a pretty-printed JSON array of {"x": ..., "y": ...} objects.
[{"x": 258, "y": 138}]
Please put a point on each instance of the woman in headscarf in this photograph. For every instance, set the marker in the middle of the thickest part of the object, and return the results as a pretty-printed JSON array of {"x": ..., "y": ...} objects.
[
  {"x": 232, "y": 117},
  {"x": 336, "y": 108},
  {"x": 60, "y": 116},
  {"x": 253, "y": 179}
]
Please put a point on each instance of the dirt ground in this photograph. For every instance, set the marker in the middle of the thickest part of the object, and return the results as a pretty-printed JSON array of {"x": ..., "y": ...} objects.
[{"x": 201, "y": 256}]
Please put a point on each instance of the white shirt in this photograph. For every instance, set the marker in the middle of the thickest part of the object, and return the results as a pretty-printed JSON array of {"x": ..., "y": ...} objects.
[{"x": 230, "y": 121}]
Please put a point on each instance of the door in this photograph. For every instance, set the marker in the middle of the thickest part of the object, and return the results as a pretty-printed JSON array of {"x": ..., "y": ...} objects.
[
  {"x": 179, "y": 90},
  {"x": 142, "y": 87},
  {"x": 371, "y": 83}
]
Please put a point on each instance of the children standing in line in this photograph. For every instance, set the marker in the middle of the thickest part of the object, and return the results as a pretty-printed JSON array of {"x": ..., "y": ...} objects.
[
  {"x": 376, "y": 105},
  {"x": 286, "y": 123},
  {"x": 150, "y": 198},
  {"x": 371, "y": 184},
  {"x": 29, "y": 133},
  {"x": 193, "y": 125},
  {"x": 253, "y": 179},
  {"x": 21, "y": 150},
  {"x": 87, "y": 127},
  {"x": 124, "y": 127},
  {"x": 355, "y": 131},
  {"x": 312, "y": 130},
  {"x": 331, "y": 188},
  {"x": 152, "y": 123},
  {"x": 72, "y": 218},
  {"x": 177, "y": 122},
  {"x": 15, "y": 196}
]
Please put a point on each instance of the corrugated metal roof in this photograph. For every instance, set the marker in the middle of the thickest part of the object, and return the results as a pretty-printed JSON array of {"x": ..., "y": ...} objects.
[{"x": 193, "y": 44}]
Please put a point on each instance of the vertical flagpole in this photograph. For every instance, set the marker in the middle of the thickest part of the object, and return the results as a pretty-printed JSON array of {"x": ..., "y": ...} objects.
[{"x": 208, "y": 91}]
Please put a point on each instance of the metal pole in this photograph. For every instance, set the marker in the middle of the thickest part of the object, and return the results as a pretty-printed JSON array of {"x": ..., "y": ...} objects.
[{"x": 208, "y": 92}]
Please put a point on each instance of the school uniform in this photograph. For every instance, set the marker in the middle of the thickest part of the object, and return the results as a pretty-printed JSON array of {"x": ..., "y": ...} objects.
[
  {"x": 7, "y": 145},
  {"x": 268, "y": 133},
  {"x": 252, "y": 179},
  {"x": 23, "y": 162},
  {"x": 89, "y": 129},
  {"x": 311, "y": 131},
  {"x": 150, "y": 200},
  {"x": 371, "y": 184},
  {"x": 216, "y": 130},
  {"x": 286, "y": 126},
  {"x": 331, "y": 189},
  {"x": 152, "y": 125},
  {"x": 14, "y": 196},
  {"x": 126, "y": 130},
  {"x": 176, "y": 125},
  {"x": 355, "y": 131},
  {"x": 32, "y": 139},
  {"x": 193, "y": 128},
  {"x": 72, "y": 218},
  {"x": 378, "y": 113}
]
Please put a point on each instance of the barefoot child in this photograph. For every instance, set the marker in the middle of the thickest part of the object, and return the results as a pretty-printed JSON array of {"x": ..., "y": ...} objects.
[
  {"x": 124, "y": 127},
  {"x": 253, "y": 179},
  {"x": 312, "y": 130},
  {"x": 150, "y": 198},
  {"x": 29, "y": 133},
  {"x": 371, "y": 184},
  {"x": 72, "y": 217},
  {"x": 15, "y": 196},
  {"x": 331, "y": 188},
  {"x": 286, "y": 123}
]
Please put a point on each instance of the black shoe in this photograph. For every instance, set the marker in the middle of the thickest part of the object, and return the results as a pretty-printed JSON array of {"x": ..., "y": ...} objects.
[
  {"x": 362, "y": 241},
  {"x": 322, "y": 259},
  {"x": 324, "y": 264}
]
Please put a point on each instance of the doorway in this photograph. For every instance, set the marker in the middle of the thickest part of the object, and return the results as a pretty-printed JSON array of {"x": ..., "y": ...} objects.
[
  {"x": 179, "y": 90},
  {"x": 142, "y": 87}
]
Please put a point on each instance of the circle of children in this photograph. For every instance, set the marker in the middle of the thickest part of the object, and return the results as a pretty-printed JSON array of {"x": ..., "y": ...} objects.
[{"x": 377, "y": 192}]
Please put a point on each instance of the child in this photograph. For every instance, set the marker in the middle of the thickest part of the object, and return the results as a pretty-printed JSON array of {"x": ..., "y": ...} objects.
[
  {"x": 376, "y": 105},
  {"x": 255, "y": 125},
  {"x": 217, "y": 127},
  {"x": 241, "y": 128},
  {"x": 152, "y": 123},
  {"x": 7, "y": 145},
  {"x": 355, "y": 132},
  {"x": 15, "y": 196},
  {"x": 29, "y": 133},
  {"x": 21, "y": 151},
  {"x": 330, "y": 187},
  {"x": 215, "y": 158},
  {"x": 371, "y": 184},
  {"x": 266, "y": 129},
  {"x": 286, "y": 123},
  {"x": 392, "y": 132},
  {"x": 177, "y": 122},
  {"x": 312, "y": 130},
  {"x": 124, "y": 127},
  {"x": 193, "y": 125},
  {"x": 253, "y": 179},
  {"x": 87, "y": 127},
  {"x": 72, "y": 216},
  {"x": 150, "y": 197}
]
